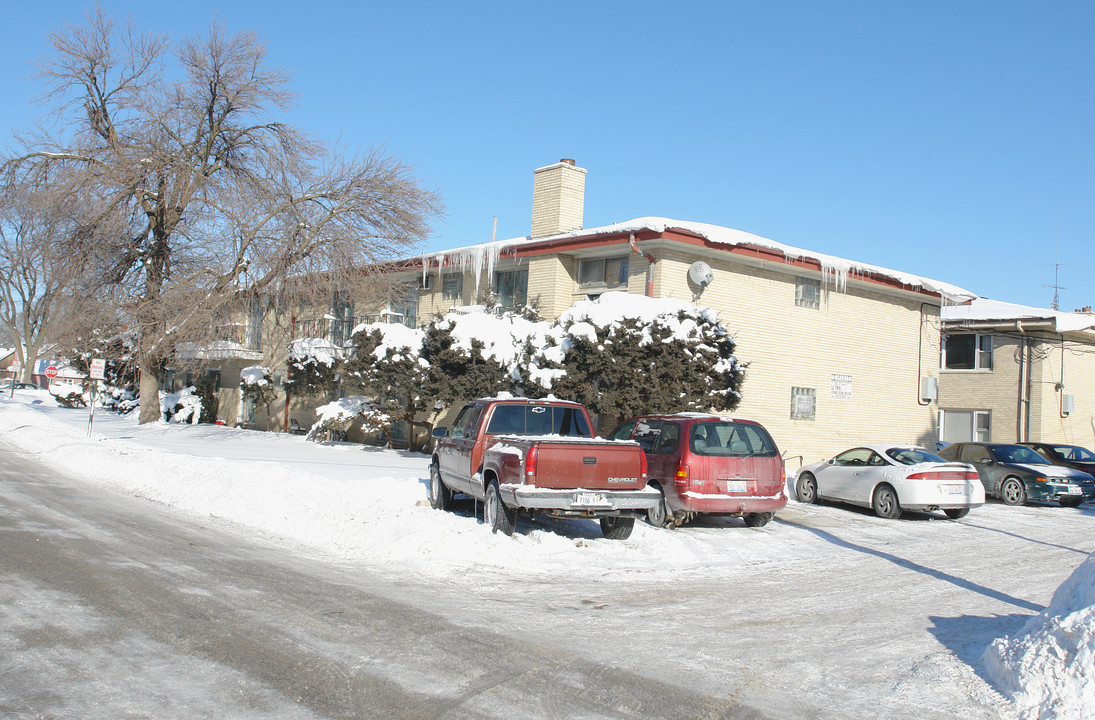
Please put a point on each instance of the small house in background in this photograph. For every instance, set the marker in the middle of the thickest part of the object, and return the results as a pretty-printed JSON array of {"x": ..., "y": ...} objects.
[
  {"x": 7, "y": 363},
  {"x": 1012, "y": 373},
  {"x": 67, "y": 380}
]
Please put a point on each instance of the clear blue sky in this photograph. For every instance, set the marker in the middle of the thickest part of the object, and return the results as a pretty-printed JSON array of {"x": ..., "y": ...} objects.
[{"x": 945, "y": 138}]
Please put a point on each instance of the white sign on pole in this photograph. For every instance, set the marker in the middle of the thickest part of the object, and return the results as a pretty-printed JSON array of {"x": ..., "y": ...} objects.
[{"x": 98, "y": 369}]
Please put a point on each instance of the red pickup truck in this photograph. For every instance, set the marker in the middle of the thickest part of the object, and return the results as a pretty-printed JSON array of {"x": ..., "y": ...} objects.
[{"x": 539, "y": 456}]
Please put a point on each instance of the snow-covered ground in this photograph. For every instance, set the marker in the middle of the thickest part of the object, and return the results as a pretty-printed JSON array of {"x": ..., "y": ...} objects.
[{"x": 828, "y": 611}]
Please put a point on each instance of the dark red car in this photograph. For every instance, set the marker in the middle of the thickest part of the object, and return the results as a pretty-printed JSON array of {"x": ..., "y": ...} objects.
[{"x": 708, "y": 465}]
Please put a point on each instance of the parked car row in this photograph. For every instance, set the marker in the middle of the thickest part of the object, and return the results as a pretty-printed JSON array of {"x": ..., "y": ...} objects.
[
  {"x": 893, "y": 478},
  {"x": 520, "y": 456},
  {"x": 6, "y": 385},
  {"x": 517, "y": 456},
  {"x": 1019, "y": 472}
]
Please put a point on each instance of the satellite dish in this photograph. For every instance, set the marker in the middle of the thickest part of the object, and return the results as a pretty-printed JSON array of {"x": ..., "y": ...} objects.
[{"x": 700, "y": 273}]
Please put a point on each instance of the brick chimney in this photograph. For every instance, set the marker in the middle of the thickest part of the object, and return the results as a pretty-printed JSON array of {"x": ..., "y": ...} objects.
[{"x": 558, "y": 198}]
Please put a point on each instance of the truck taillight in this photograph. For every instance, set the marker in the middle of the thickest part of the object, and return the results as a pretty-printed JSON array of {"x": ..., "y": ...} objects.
[
  {"x": 642, "y": 467},
  {"x": 682, "y": 475},
  {"x": 530, "y": 462}
]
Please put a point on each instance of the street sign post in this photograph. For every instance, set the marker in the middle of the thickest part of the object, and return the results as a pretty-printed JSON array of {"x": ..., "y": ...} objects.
[{"x": 98, "y": 372}]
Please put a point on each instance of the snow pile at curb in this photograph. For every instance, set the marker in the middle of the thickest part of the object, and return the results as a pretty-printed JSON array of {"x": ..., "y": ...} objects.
[{"x": 1047, "y": 668}]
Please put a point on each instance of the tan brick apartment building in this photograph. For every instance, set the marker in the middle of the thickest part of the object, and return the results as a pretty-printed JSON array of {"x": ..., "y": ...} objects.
[
  {"x": 1013, "y": 373},
  {"x": 839, "y": 352}
]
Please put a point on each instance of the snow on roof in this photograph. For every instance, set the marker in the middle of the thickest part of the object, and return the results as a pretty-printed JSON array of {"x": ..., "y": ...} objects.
[
  {"x": 985, "y": 310},
  {"x": 834, "y": 269}
]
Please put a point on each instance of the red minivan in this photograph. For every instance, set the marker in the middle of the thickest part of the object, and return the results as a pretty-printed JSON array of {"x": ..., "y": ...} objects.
[{"x": 708, "y": 465}]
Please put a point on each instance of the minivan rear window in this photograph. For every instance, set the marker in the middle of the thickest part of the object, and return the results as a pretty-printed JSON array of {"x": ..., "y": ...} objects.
[{"x": 730, "y": 439}]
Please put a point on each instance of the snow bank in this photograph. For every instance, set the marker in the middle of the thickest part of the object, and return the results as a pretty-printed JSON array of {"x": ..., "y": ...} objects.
[
  {"x": 355, "y": 503},
  {"x": 1048, "y": 668}
]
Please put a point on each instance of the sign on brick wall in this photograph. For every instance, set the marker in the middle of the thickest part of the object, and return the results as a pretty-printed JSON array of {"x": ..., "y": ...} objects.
[{"x": 840, "y": 387}]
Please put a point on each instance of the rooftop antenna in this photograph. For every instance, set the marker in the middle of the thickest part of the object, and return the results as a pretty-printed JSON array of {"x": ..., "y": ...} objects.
[{"x": 1056, "y": 304}]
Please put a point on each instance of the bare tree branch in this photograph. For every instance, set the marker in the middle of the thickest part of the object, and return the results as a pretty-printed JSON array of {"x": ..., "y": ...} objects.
[{"x": 201, "y": 192}]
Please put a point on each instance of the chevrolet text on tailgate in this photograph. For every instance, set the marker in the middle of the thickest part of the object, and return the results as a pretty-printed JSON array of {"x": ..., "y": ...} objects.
[{"x": 539, "y": 456}]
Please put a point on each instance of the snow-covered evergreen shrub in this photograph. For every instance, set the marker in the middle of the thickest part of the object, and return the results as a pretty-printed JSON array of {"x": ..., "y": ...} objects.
[
  {"x": 181, "y": 407},
  {"x": 624, "y": 355},
  {"x": 206, "y": 389},
  {"x": 460, "y": 371},
  {"x": 71, "y": 399},
  {"x": 119, "y": 390},
  {"x": 336, "y": 418},
  {"x": 386, "y": 364},
  {"x": 257, "y": 385},
  {"x": 312, "y": 366}
]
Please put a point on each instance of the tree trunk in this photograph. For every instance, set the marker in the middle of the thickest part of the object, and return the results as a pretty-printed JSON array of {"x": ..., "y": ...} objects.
[{"x": 150, "y": 394}]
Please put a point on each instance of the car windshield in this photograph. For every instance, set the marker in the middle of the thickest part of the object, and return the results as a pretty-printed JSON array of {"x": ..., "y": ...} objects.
[
  {"x": 1074, "y": 453},
  {"x": 1018, "y": 454},
  {"x": 730, "y": 439},
  {"x": 912, "y": 456}
]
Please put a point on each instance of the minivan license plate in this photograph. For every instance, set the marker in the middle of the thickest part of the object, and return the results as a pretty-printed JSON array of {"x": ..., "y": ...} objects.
[{"x": 735, "y": 486}]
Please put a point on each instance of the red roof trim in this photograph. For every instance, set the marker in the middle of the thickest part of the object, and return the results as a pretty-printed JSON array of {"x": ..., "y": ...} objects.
[{"x": 756, "y": 252}]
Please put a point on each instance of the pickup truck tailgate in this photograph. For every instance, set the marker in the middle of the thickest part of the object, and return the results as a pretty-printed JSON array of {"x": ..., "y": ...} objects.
[{"x": 593, "y": 466}]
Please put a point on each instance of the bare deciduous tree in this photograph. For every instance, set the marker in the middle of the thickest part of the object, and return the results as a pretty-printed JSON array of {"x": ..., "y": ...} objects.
[
  {"x": 205, "y": 193},
  {"x": 44, "y": 252}
]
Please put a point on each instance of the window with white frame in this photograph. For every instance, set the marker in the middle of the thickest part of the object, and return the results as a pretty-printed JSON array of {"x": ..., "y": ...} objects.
[
  {"x": 967, "y": 351},
  {"x": 452, "y": 286},
  {"x": 803, "y": 403},
  {"x": 603, "y": 272},
  {"x": 808, "y": 293},
  {"x": 965, "y": 426}
]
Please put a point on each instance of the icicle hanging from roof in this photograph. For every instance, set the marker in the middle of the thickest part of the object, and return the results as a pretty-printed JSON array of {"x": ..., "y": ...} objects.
[{"x": 470, "y": 258}]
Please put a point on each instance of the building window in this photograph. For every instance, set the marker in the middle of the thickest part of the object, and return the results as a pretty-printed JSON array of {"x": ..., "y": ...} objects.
[
  {"x": 803, "y": 403},
  {"x": 808, "y": 293},
  {"x": 452, "y": 286},
  {"x": 511, "y": 286},
  {"x": 603, "y": 272},
  {"x": 967, "y": 351},
  {"x": 965, "y": 426},
  {"x": 342, "y": 310}
]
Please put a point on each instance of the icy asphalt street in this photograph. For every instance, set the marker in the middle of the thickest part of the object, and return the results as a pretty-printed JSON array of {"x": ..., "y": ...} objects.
[{"x": 113, "y": 608}]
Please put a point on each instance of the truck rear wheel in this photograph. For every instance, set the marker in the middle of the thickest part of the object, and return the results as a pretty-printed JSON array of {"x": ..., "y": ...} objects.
[
  {"x": 495, "y": 512},
  {"x": 617, "y": 528}
]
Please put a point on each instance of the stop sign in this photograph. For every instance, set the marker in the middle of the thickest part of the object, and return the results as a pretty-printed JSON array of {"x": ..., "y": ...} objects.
[{"x": 51, "y": 372}]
